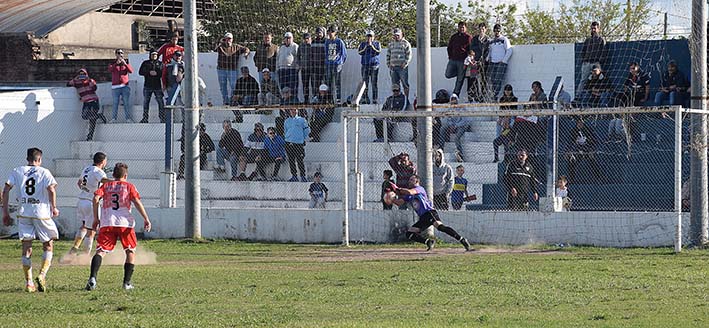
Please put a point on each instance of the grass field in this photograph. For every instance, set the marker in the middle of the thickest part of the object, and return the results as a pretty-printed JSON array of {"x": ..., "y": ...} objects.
[{"x": 237, "y": 284}]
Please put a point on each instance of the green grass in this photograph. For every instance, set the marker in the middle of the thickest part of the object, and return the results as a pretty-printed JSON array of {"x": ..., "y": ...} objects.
[{"x": 227, "y": 283}]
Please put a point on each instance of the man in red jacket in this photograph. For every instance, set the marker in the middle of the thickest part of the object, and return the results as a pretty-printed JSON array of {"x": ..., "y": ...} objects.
[{"x": 120, "y": 69}]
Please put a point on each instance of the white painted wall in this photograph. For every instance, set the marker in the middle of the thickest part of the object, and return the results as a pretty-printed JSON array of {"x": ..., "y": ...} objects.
[{"x": 603, "y": 229}]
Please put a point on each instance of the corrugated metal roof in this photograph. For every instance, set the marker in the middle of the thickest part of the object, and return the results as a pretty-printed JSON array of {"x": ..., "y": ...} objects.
[{"x": 44, "y": 16}]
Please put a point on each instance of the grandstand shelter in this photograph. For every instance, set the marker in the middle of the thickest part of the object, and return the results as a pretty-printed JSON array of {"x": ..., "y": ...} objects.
[{"x": 48, "y": 40}]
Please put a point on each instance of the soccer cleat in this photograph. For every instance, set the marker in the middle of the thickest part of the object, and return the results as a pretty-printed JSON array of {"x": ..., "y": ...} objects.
[
  {"x": 429, "y": 244},
  {"x": 91, "y": 285},
  {"x": 128, "y": 286},
  {"x": 466, "y": 244},
  {"x": 30, "y": 288},
  {"x": 41, "y": 283}
]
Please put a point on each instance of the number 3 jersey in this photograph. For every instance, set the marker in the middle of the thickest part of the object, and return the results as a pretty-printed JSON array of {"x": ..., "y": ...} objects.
[
  {"x": 91, "y": 178},
  {"x": 115, "y": 207},
  {"x": 30, "y": 184}
]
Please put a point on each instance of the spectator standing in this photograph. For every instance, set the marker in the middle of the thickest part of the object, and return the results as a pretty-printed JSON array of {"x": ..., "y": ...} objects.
[
  {"x": 269, "y": 94},
  {"x": 457, "y": 125},
  {"x": 120, "y": 69},
  {"x": 228, "y": 54},
  {"x": 386, "y": 187},
  {"x": 256, "y": 152},
  {"x": 460, "y": 188},
  {"x": 230, "y": 147},
  {"x": 370, "y": 50},
  {"x": 481, "y": 45},
  {"x": 304, "y": 60},
  {"x": 396, "y": 102},
  {"x": 403, "y": 167},
  {"x": 457, "y": 52},
  {"x": 595, "y": 88},
  {"x": 287, "y": 65},
  {"x": 562, "y": 193},
  {"x": 276, "y": 147},
  {"x": 398, "y": 59},
  {"x": 296, "y": 129},
  {"x": 336, "y": 55},
  {"x": 266, "y": 55},
  {"x": 86, "y": 87},
  {"x": 506, "y": 136},
  {"x": 520, "y": 181},
  {"x": 472, "y": 75},
  {"x": 499, "y": 54},
  {"x": 443, "y": 180},
  {"x": 527, "y": 130},
  {"x": 582, "y": 146},
  {"x": 206, "y": 146},
  {"x": 174, "y": 74},
  {"x": 287, "y": 99},
  {"x": 322, "y": 112},
  {"x": 673, "y": 87},
  {"x": 167, "y": 52},
  {"x": 151, "y": 70},
  {"x": 319, "y": 56},
  {"x": 593, "y": 52},
  {"x": 318, "y": 192}
]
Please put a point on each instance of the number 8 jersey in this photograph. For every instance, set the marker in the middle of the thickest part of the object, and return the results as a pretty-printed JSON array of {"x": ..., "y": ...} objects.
[
  {"x": 117, "y": 197},
  {"x": 30, "y": 183}
]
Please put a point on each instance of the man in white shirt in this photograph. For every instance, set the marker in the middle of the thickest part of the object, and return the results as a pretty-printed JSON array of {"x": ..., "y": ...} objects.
[
  {"x": 38, "y": 204},
  {"x": 498, "y": 56},
  {"x": 91, "y": 179}
]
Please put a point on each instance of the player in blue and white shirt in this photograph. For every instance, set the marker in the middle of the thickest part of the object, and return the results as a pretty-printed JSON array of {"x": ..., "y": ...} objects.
[{"x": 417, "y": 197}]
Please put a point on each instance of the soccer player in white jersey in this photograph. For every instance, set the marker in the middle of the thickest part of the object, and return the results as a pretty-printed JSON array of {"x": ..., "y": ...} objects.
[
  {"x": 91, "y": 179},
  {"x": 38, "y": 204},
  {"x": 116, "y": 222}
]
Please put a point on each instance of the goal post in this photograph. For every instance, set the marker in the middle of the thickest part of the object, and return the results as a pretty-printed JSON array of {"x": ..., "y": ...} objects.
[{"x": 638, "y": 171}]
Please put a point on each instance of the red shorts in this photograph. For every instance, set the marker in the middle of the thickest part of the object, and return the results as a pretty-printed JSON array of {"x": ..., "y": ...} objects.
[{"x": 107, "y": 237}]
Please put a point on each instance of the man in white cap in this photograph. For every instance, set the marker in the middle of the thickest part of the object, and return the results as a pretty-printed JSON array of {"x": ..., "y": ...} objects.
[
  {"x": 286, "y": 64},
  {"x": 398, "y": 59},
  {"x": 228, "y": 54},
  {"x": 370, "y": 50},
  {"x": 269, "y": 94}
]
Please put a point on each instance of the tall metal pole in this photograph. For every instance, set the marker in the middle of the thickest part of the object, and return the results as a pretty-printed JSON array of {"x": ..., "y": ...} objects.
[
  {"x": 699, "y": 207},
  {"x": 423, "y": 94},
  {"x": 193, "y": 220},
  {"x": 678, "y": 179},
  {"x": 345, "y": 185}
]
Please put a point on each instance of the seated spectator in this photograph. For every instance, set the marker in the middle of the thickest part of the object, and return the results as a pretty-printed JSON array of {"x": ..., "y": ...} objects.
[
  {"x": 206, "y": 146},
  {"x": 563, "y": 99},
  {"x": 86, "y": 87},
  {"x": 296, "y": 130},
  {"x": 457, "y": 125},
  {"x": 636, "y": 88},
  {"x": 395, "y": 102},
  {"x": 322, "y": 113},
  {"x": 245, "y": 93},
  {"x": 673, "y": 88},
  {"x": 276, "y": 147},
  {"x": 386, "y": 187},
  {"x": 527, "y": 132},
  {"x": 256, "y": 153},
  {"x": 596, "y": 89},
  {"x": 269, "y": 94},
  {"x": 230, "y": 147},
  {"x": 318, "y": 192},
  {"x": 582, "y": 146}
]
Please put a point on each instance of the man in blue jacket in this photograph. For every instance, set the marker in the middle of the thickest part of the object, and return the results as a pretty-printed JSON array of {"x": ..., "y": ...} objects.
[
  {"x": 335, "y": 57},
  {"x": 297, "y": 130},
  {"x": 370, "y": 50}
]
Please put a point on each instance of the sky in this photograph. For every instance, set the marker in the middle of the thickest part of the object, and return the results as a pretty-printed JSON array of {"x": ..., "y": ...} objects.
[{"x": 679, "y": 11}]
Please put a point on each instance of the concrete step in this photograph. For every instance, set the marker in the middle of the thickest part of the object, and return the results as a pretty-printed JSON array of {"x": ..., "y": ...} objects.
[
  {"x": 156, "y": 131},
  {"x": 137, "y": 168},
  {"x": 147, "y": 202}
]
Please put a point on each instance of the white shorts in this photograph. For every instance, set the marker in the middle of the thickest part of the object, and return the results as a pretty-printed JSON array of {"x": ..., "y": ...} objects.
[
  {"x": 31, "y": 229},
  {"x": 84, "y": 213}
]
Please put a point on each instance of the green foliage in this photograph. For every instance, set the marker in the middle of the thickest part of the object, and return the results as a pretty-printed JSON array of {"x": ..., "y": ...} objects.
[{"x": 237, "y": 284}]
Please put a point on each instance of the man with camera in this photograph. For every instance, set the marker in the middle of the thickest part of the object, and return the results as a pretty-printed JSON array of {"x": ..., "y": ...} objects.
[{"x": 120, "y": 69}]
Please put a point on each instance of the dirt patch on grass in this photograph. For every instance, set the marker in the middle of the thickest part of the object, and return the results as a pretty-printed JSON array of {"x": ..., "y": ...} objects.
[{"x": 373, "y": 254}]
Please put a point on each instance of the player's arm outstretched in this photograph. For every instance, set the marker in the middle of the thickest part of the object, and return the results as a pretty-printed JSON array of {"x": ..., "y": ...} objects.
[
  {"x": 51, "y": 191},
  {"x": 402, "y": 192},
  {"x": 146, "y": 221},
  {"x": 6, "y": 219}
]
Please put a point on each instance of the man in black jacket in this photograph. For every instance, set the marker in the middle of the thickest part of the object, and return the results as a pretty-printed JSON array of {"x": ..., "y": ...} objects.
[
  {"x": 593, "y": 52},
  {"x": 230, "y": 147},
  {"x": 151, "y": 70},
  {"x": 206, "y": 146},
  {"x": 582, "y": 146},
  {"x": 520, "y": 181}
]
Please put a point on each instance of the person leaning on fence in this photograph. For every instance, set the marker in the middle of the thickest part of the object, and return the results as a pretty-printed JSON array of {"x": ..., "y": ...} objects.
[
  {"x": 286, "y": 63},
  {"x": 398, "y": 59},
  {"x": 296, "y": 130},
  {"x": 397, "y": 102},
  {"x": 370, "y": 50},
  {"x": 520, "y": 182},
  {"x": 269, "y": 94},
  {"x": 322, "y": 113},
  {"x": 86, "y": 87},
  {"x": 443, "y": 180},
  {"x": 276, "y": 147},
  {"x": 228, "y": 54},
  {"x": 230, "y": 147},
  {"x": 151, "y": 70},
  {"x": 457, "y": 52},
  {"x": 265, "y": 57}
]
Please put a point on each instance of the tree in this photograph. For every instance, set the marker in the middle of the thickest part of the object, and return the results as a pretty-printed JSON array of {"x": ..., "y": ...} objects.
[{"x": 571, "y": 23}]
